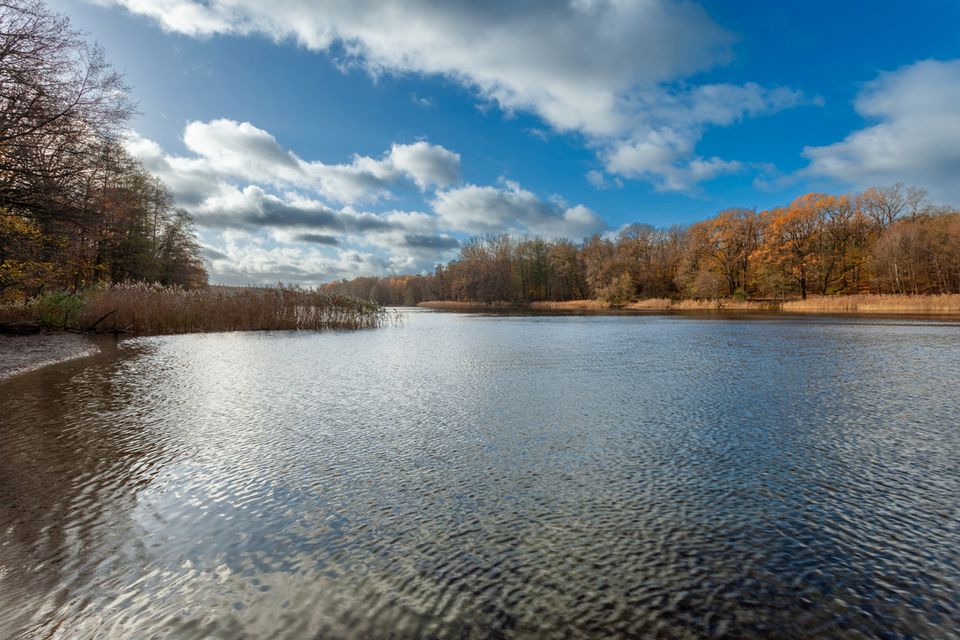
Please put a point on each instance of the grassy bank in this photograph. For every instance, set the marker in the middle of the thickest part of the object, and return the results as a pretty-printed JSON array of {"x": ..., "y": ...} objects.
[
  {"x": 885, "y": 304},
  {"x": 155, "y": 310}
]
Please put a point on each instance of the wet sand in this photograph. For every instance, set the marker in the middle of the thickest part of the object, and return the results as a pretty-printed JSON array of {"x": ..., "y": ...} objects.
[{"x": 19, "y": 354}]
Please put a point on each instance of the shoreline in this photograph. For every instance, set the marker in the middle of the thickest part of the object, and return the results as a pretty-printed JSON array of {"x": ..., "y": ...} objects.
[
  {"x": 23, "y": 354},
  {"x": 879, "y": 304}
]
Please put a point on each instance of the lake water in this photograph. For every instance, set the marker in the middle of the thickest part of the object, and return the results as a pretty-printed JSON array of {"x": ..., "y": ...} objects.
[{"x": 474, "y": 476}]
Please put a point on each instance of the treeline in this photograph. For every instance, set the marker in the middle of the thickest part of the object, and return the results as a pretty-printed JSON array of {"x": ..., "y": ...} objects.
[
  {"x": 883, "y": 240},
  {"x": 75, "y": 209}
]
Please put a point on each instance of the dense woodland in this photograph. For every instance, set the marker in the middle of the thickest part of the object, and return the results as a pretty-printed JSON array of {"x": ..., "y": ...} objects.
[
  {"x": 883, "y": 240},
  {"x": 75, "y": 209}
]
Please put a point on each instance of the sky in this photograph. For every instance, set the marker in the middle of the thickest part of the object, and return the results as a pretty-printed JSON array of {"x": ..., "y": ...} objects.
[{"x": 319, "y": 140}]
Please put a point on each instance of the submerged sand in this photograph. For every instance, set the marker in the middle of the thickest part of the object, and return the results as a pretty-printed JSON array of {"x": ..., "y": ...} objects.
[{"x": 19, "y": 354}]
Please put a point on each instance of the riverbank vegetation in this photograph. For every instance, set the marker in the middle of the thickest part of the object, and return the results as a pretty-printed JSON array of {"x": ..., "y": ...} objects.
[
  {"x": 143, "y": 309},
  {"x": 881, "y": 249}
]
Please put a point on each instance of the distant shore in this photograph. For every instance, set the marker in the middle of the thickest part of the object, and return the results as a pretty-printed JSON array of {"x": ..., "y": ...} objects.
[{"x": 948, "y": 304}]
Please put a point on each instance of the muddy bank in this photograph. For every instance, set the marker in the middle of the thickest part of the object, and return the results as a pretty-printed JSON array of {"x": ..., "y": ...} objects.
[{"x": 19, "y": 354}]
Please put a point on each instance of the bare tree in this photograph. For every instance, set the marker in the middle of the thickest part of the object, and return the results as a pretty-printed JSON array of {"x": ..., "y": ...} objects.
[
  {"x": 885, "y": 205},
  {"x": 59, "y": 101}
]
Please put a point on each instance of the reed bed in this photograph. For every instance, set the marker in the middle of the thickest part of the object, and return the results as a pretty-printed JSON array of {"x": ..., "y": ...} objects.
[
  {"x": 868, "y": 303},
  {"x": 725, "y": 304},
  {"x": 876, "y": 303},
  {"x": 650, "y": 304},
  {"x": 456, "y": 305},
  {"x": 570, "y": 304},
  {"x": 154, "y": 310}
]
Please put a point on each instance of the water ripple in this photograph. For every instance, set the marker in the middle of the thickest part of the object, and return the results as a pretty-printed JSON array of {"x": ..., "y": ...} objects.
[{"x": 471, "y": 477}]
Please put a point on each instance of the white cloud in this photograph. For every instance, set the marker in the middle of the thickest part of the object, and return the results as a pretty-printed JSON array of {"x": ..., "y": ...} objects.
[
  {"x": 599, "y": 180},
  {"x": 276, "y": 222},
  {"x": 662, "y": 145},
  {"x": 915, "y": 138},
  {"x": 609, "y": 69},
  {"x": 427, "y": 165},
  {"x": 227, "y": 149},
  {"x": 475, "y": 209},
  {"x": 571, "y": 62},
  {"x": 246, "y": 259},
  {"x": 241, "y": 150},
  {"x": 225, "y": 185}
]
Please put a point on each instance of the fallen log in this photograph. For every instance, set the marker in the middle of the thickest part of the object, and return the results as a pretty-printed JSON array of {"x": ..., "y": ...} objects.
[{"x": 102, "y": 318}]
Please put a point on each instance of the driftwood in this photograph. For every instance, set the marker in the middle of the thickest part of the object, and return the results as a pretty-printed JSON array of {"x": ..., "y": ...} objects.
[{"x": 101, "y": 319}]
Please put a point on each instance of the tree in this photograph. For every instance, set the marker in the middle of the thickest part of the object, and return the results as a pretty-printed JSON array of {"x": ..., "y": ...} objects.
[
  {"x": 791, "y": 239},
  {"x": 76, "y": 208},
  {"x": 59, "y": 101},
  {"x": 885, "y": 205}
]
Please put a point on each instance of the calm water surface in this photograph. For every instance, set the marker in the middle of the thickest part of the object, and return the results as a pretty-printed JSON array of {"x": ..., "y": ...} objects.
[{"x": 471, "y": 476}]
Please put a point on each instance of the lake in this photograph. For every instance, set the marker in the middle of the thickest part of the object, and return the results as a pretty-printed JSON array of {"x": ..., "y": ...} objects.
[{"x": 477, "y": 476}]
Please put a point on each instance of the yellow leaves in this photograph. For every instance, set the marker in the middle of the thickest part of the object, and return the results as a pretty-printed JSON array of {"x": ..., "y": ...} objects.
[{"x": 16, "y": 228}]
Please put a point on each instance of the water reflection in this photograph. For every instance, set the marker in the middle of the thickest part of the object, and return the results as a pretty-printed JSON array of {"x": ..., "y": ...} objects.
[{"x": 473, "y": 476}]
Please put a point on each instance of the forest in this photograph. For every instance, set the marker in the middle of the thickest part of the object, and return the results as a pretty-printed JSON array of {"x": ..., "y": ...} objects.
[
  {"x": 888, "y": 240},
  {"x": 75, "y": 209}
]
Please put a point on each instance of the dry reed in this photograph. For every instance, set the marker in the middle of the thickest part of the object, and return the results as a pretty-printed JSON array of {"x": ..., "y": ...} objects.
[
  {"x": 723, "y": 304},
  {"x": 153, "y": 310},
  {"x": 570, "y": 304},
  {"x": 456, "y": 305},
  {"x": 876, "y": 303}
]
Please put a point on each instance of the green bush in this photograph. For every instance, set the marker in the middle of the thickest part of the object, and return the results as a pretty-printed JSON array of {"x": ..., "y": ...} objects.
[{"x": 59, "y": 309}]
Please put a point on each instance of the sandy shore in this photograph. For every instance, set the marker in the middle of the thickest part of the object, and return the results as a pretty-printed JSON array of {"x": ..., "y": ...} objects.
[{"x": 19, "y": 354}]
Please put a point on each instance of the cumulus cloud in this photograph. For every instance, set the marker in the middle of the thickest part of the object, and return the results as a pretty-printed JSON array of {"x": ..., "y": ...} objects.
[
  {"x": 662, "y": 146},
  {"x": 246, "y": 259},
  {"x": 572, "y": 62},
  {"x": 915, "y": 135},
  {"x": 609, "y": 69},
  {"x": 251, "y": 206},
  {"x": 477, "y": 209},
  {"x": 239, "y": 150},
  {"x": 275, "y": 210}
]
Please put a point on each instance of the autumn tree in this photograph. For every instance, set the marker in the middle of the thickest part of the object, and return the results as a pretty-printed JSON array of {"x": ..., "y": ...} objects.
[
  {"x": 820, "y": 243},
  {"x": 792, "y": 236},
  {"x": 724, "y": 245}
]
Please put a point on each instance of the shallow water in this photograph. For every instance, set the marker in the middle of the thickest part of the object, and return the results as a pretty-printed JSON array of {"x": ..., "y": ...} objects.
[
  {"x": 19, "y": 354},
  {"x": 472, "y": 476}
]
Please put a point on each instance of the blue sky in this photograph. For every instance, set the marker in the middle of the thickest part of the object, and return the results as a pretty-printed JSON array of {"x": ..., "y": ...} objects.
[{"x": 320, "y": 140}]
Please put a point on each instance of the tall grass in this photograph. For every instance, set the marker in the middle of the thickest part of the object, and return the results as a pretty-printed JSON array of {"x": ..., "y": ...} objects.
[
  {"x": 153, "y": 310},
  {"x": 873, "y": 303},
  {"x": 876, "y": 303},
  {"x": 456, "y": 305},
  {"x": 719, "y": 304},
  {"x": 570, "y": 304}
]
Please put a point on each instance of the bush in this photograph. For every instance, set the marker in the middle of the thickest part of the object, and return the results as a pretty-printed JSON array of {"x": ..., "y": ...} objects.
[{"x": 58, "y": 309}]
